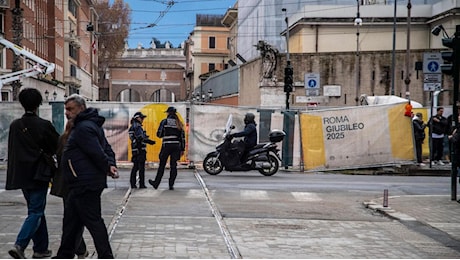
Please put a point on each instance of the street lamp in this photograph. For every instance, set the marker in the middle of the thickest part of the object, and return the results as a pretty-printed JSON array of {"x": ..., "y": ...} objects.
[
  {"x": 54, "y": 95},
  {"x": 47, "y": 94},
  {"x": 393, "y": 53},
  {"x": 202, "y": 77},
  {"x": 210, "y": 94},
  {"x": 358, "y": 23},
  {"x": 407, "y": 79}
]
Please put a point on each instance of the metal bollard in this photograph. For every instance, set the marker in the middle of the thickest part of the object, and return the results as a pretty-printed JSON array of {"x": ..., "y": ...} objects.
[{"x": 385, "y": 198}]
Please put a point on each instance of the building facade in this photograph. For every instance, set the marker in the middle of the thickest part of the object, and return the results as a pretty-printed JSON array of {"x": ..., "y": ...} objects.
[
  {"x": 355, "y": 59},
  {"x": 57, "y": 32},
  {"x": 155, "y": 74},
  {"x": 207, "y": 51}
]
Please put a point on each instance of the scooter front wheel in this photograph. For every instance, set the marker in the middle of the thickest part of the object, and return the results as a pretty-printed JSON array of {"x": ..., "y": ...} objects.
[
  {"x": 212, "y": 164},
  {"x": 274, "y": 165}
]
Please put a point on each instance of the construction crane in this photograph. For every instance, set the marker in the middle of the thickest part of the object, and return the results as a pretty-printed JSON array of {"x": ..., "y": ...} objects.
[{"x": 39, "y": 65}]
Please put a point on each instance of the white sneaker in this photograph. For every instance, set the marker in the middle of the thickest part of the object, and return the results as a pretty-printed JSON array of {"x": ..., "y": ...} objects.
[
  {"x": 440, "y": 163},
  {"x": 421, "y": 164}
]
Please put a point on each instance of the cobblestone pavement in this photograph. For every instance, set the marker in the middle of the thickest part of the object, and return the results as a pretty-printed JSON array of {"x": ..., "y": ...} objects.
[{"x": 186, "y": 223}]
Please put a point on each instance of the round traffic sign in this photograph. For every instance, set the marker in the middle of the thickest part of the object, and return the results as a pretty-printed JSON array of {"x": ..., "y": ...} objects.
[{"x": 433, "y": 66}]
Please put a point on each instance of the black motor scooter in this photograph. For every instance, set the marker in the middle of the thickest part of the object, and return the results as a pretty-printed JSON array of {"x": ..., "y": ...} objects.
[{"x": 263, "y": 157}]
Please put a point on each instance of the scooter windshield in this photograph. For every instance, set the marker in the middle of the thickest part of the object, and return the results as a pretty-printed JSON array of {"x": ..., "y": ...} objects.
[{"x": 229, "y": 124}]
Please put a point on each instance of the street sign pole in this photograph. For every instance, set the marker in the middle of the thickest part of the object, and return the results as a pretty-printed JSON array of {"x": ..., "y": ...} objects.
[{"x": 456, "y": 71}]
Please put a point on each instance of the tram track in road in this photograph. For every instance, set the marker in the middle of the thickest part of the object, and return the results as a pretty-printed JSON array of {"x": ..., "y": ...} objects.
[
  {"x": 231, "y": 246},
  {"x": 229, "y": 242}
]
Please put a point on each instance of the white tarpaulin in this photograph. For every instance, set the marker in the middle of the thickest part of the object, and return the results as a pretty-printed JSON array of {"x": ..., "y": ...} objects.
[{"x": 356, "y": 137}]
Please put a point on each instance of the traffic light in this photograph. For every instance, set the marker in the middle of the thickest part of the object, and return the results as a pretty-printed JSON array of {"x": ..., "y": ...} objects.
[
  {"x": 288, "y": 79},
  {"x": 448, "y": 56}
]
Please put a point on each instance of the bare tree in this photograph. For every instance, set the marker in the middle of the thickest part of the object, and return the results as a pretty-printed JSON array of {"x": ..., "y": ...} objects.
[{"x": 113, "y": 27}]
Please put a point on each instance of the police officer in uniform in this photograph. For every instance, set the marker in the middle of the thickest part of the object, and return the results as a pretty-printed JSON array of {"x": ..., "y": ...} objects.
[
  {"x": 139, "y": 139},
  {"x": 171, "y": 130}
]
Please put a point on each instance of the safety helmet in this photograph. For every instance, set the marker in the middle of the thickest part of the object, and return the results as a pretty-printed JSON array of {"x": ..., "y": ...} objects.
[{"x": 249, "y": 117}]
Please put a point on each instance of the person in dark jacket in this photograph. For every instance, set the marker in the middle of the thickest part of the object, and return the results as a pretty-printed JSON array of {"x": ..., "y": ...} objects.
[
  {"x": 249, "y": 133},
  {"x": 60, "y": 189},
  {"x": 454, "y": 138},
  {"x": 22, "y": 162},
  {"x": 139, "y": 141},
  {"x": 86, "y": 162},
  {"x": 171, "y": 130},
  {"x": 419, "y": 136},
  {"x": 438, "y": 127}
]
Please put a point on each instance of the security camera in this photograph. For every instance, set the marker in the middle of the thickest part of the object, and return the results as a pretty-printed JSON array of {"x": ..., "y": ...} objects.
[{"x": 436, "y": 30}]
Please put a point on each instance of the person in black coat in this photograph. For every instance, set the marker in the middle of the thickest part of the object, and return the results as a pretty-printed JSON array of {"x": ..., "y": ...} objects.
[
  {"x": 438, "y": 126},
  {"x": 59, "y": 187},
  {"x": 249, "y": 133},
  {"x": 23, "y": 158},
  {"x": 171, "y": 130},
  {"x": 454, "y": 138},
  {"x": 419, "y": 136},
  {"x": 86, "y": 162}
]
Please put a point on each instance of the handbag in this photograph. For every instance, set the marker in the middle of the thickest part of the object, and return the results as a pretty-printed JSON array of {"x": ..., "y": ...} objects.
[
  {"x": 44, "y": 168},
  {"x": 46, "y": 165}
]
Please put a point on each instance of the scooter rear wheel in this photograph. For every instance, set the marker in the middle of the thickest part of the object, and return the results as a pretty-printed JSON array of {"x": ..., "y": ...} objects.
[
  {"x": 212, "y": 165},
  {"x": 274, "y": 165}
]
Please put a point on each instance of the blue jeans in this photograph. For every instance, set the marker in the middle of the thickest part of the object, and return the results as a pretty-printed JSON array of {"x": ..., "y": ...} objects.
[{"x": 34, "y": 226}]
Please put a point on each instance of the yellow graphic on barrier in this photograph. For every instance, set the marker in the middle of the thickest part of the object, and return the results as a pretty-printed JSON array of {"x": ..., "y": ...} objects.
[
  {"x": 155, "y": 114},
  {"x": 400, "y": 127},
  {"x": 314, "y": 154}
]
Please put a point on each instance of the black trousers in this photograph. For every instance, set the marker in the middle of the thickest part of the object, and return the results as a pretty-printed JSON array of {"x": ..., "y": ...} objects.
[
  {"x": 171, "y": 151},
  {"x": 438, "y": 149},
  {"x": 138, "y": 165},
  {"x": 83, "y": 209},
  {"x": 418, "y": 149},
  {"x": 80, "y": 245}
]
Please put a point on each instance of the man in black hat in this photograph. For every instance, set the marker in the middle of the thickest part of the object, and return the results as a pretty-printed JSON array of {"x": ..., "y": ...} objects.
[
  {"x": 171, "y": 130},
  {"x": 139, "y": 141}
]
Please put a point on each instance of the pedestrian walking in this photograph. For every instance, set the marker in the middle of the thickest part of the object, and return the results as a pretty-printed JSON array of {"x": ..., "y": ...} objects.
[
  {"x": 171, "y": 130},
  {"x": 139, "y": 140},
  {"x": 86, "y": 162},
  {"x": 438, "y": 127},
  {"x": 60, "y": 189},
  {"x": 29, "y": 137},
  {"x": 419, "y": 136}
]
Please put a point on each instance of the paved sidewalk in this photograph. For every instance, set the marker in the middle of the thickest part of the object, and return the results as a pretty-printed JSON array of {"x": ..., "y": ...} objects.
[
  {"x": 438, "y": 212},
  {"x": 180, "y": 224}
]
